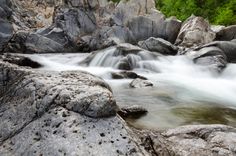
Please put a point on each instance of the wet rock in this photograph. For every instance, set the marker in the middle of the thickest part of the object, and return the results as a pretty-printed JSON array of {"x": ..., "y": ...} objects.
[
  {"x": 134, "y": 111},
  {"x": 227, "y": 33},
  {"x": 127, "y": 75},
  {"x": 228, "y": 47},
  {"x": 211, "y": 57},
  {"x": 139, "y": 83},
  {"x": 159, "y": 45},
  {"x": 20, "y": 60},
  {"x": 195, "y": 31}
]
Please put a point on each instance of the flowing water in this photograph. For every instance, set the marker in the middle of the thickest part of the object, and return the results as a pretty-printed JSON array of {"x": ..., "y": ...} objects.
[{"x": 183, "y": 93}]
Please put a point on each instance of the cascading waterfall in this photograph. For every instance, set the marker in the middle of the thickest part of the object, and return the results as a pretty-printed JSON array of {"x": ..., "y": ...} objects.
[{"x": 181, "y": 89}]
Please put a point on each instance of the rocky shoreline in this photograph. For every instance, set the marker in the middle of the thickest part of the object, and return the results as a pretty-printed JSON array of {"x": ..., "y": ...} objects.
[{"x": 74, "y": 112}]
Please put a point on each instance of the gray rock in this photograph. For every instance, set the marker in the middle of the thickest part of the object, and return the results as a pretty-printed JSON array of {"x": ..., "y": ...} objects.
[
  {"x": 144, "y": 27},
  {"x": 195, "y": 31},
  {"x": 126, "y": 10},
  {"x": 134, "y": 111},
  {"x": 211, "y": 57},
  {"x": 6, "y": 32},
  {"x": 140, "y": 83},
  {"x": 159, "y": 45},
  {"x": 228, "y": 47},
  {"x": 20, "y": 60},
  {"x": 227, "y": 33},
  {"x": 110, "y": 36},
  {"x": 39, "y": 44},
  {"x": 126, "y": 75},
  {"x": 205, "y": 140}
]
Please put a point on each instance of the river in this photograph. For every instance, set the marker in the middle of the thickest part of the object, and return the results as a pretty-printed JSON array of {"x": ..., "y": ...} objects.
[{"x": 183, "y": 92}]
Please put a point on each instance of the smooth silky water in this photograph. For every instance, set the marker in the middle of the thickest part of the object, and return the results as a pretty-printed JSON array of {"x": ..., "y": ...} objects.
[{"x": 183, "y": 93}]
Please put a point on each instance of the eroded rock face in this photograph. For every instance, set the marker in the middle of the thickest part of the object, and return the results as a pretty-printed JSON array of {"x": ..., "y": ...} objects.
[
  {"x": 195, "y": 31},
  {"x": 6, "y": 32},
  {"x": 143, "y": 27}
]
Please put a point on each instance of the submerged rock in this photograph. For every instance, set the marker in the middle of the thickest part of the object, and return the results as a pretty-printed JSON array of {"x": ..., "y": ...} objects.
[
  {"x": 195, "y": 31},
  {"x": 127, "y": 75},
  {"x": 159, "y": 45},
  {"x": 134, "y": 111},
  {"x": 140, "y": 83}
]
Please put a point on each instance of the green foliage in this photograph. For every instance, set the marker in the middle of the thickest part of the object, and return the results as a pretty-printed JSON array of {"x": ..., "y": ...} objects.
[{"x": 216, "y": 11}]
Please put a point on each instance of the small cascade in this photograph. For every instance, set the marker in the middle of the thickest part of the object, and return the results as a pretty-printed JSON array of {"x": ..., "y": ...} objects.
[{"x": 119, "y": 58}]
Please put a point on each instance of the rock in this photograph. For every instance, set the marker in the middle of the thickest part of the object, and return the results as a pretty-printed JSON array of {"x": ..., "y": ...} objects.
[
  {"x": 127, "y": 75},
  {"x": 144, "y": 27},
  {"x": 75, "y": 22},
  {"x": 20, "y": 60},
  {"x": 211, "y": 57},
  {"x": 158, "y": 45},
  {"x": 48, "y": 113},
  {"x": 227, "y": 33},
  {"x": 33, "y": 14},
  {"x": 6, "y": 32},
  {"x": 39, "y": 44},
  {"x": 191, "y": 140},
  {"x": 134, "y": 111},
  {"x": 139, "y": 83},
  {"x": 110, "y": 36},
  {"x": 228, "y": 47},
  {"x": 195, "y": 31},
  {"x": 125, "y": 10}
]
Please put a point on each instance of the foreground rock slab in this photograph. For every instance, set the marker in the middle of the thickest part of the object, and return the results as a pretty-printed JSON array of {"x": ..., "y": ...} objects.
[
  {"x": 204, "y": 140},
  {"x": 66, "y": 113}
]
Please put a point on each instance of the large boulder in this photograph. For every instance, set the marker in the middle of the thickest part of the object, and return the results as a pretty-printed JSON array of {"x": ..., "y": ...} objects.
[
  {"x": 195, "y": 31},
  {"x": 125, "y": 10},
  {"x": 144, "y": 27},
  {"x": 159, "y": 45},
  {"x": 227, "y": 33},
  {"x": 66, "y": 113}
]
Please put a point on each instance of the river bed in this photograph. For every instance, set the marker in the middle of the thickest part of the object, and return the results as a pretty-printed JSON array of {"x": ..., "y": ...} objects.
[{"x": 183, "y": 93}]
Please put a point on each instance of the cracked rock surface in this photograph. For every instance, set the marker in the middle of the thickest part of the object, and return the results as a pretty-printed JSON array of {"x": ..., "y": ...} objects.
[{"x": 54, "y": 113}]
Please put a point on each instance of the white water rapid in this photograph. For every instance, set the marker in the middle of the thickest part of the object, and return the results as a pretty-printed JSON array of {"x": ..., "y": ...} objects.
[{"x": 183, "y": 93}]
